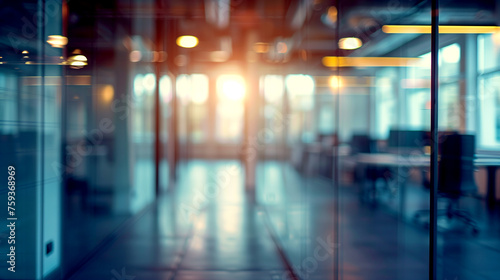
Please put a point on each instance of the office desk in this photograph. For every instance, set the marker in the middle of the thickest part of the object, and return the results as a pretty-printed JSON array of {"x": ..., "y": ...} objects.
[{"x": 393, "y": 160}]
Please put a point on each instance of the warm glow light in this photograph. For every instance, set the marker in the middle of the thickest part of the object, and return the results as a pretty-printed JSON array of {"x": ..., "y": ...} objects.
[
  {"x": 261, "y": 47},
  {"x": 187, "y": 41},
  {"x": 331, "y": 15},
  {"x": 334, "y": 82},
  {"x": 77, "y": 60},
  {"x": 333, "y": 61},
  {"x": 135, "y": 56},
  {"x": 496, "y": 38},
  {"x": 106, "y": 92},
  {"x": 79, "y": 57},
  {"x": 350, "y": 43},
  {"x": 57, "y": 41},
  {"x": 281, "y": 47},
  {"x": 444, "y": 29},
  {"x": 231, "y": 87},
  {"x": 25, "y": 52},
  {"x": 77, "y": 64}
]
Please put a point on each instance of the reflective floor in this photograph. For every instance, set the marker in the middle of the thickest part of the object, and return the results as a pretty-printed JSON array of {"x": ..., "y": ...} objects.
[
  {"x": 208, "y": 229},
  {"x": 205, "y": 230}
]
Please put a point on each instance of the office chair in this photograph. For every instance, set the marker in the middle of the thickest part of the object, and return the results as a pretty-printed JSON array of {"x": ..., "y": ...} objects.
[
  {"x": 362, "y": 143},
  {"x": 456, "y": 176}
]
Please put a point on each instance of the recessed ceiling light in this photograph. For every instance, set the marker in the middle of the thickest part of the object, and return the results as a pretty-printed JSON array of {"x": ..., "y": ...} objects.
[{"x": 187, "y": 41}]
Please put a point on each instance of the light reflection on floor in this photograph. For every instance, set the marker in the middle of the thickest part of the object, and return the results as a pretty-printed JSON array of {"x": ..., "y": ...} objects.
[{"x": 206, "y": 229}]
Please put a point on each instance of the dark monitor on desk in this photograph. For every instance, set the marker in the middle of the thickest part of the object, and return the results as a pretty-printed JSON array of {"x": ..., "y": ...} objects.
[
  {"x": 362, "y": 143},
  {"x": 407, "y": 138}
]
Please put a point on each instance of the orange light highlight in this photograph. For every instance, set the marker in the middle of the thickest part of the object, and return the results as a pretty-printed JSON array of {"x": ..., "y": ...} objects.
[{"x": 443, "y": 29}]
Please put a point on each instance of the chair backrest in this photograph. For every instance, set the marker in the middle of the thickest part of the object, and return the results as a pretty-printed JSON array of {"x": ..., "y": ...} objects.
[
  {"x": 456, "y": 165},
  {"x": 406, "y": 141}
]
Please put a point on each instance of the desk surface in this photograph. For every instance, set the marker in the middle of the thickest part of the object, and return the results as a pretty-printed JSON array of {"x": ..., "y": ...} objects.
[{"x": 415, "y": 160}]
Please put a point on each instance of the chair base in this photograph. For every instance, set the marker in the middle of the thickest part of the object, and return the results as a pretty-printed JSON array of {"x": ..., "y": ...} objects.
[{"x": 451, "y": 213}]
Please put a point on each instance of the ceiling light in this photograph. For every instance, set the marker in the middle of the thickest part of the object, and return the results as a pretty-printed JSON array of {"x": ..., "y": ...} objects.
[
  {"x": 187, "y": 41},
  {"x": 350, "y": 43},
  {"x": 333, "y": 61},
  {"x": 77, "y": 60},
  {"x": 57, "y": 41},
  {"x": 444, "y": 29}
]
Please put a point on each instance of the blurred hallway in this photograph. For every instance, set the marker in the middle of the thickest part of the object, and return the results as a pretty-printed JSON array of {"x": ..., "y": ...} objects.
[
  {"x": 250, "y": 139},
  {"x": 196, "y": 233}
]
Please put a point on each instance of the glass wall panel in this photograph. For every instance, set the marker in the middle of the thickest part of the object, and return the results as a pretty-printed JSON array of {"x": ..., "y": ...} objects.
[
  {"x": 468, "y": 142},
  {"x": 285, "y": 139},
  {"x": 108, "y": 134},
  {"x": 31, "y": 89}
]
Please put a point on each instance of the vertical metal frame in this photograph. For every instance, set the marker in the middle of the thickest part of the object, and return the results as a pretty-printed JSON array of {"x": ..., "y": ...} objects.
[
  {"x": 435, "y": 141},
  {"x": 336, "y": 160}
]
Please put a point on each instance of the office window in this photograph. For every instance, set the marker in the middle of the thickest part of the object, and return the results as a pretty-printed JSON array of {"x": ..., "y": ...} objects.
[
  {"x": 488, "y": 89},
  {"x": 300, "y": 89},
  {"x": 192, "y": 92},
  {"x": 417, "y": 86},
  {"x": 325, "y": 113},
  {"x": 419, "y": 109},
  {"x": 198, "y": 108},
  {"x": 449, "y": 61},
  {"x": 273, "y": 89},
  {"x": 489, "y": 109},
  {"x": 165, "y": 87},
  {"x": 143, "y": 96},
  {"x": 183, "y": 89},
  {"x": 326, "y": 119},
  {"x": 385, "y": 102},
  {"x": 488, "y": 52},
  {"x": 230, "y": 108}
]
